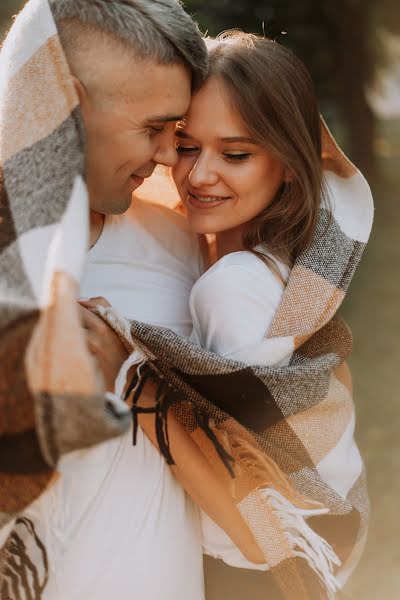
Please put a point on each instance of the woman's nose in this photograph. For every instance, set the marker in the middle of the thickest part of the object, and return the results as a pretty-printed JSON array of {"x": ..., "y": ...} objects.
[{"x": 203, "y": 173}]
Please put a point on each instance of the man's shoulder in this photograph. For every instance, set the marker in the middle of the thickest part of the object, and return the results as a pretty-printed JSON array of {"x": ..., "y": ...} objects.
[
  {"x": 152, "y": 215},
  {"x": 168, "y": 229}
]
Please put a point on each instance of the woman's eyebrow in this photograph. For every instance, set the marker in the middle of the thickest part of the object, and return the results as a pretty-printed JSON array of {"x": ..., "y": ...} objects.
[
  {"x": 182, "y": 134},
  {"x": 227, "y": 140},
  {"x": 239, "y": 139}
]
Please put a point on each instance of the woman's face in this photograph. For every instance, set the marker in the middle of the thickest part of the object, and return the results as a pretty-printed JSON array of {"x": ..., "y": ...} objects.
[{"x": 224, "y": 178}]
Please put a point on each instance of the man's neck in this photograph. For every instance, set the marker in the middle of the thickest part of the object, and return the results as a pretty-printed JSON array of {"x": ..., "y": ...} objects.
[{"x": 96, "y": 227}]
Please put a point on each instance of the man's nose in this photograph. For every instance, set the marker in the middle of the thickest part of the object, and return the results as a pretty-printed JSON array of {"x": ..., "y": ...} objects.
[
  {"x": 166, "y": 153},
  {"x": 203, "y": 172}
]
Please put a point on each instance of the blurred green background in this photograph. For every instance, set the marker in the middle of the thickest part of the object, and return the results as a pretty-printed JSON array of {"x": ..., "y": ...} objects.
[{"x": 352, "y": 48}]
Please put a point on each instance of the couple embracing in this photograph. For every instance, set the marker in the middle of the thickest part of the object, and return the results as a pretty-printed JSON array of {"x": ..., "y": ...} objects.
[{"x": 214, "y": 325}]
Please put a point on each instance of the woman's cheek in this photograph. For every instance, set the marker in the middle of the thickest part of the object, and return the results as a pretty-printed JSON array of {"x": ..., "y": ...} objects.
[
  {"x": 176, "y": 173},
  {"x": 181, "y": 172}
]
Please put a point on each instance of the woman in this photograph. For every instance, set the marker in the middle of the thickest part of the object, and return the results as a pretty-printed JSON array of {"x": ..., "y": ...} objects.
[
  {"x": 250, "y": 172},
  {"x": 254, "y": 179}
]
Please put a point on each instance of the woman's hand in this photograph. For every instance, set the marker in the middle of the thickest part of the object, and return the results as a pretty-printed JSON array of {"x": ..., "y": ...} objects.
[{"x": 103, "y": 343}]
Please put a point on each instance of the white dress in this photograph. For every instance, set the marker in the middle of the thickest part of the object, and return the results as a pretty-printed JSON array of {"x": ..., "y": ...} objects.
[{"x": 117, "y": 524}]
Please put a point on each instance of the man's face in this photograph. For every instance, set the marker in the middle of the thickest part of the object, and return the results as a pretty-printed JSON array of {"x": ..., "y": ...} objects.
[{"x": 130, "y": 124}]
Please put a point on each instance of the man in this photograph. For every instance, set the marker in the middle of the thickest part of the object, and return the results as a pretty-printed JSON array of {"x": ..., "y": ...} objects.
[{"x": 117, "y": 523}]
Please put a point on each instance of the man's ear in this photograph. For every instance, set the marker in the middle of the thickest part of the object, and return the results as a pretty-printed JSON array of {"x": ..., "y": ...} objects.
[{"x": 81, "y": 91}]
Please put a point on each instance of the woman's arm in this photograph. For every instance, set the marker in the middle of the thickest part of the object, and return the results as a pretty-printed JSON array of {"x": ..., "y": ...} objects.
[{"x": 197, "y": 477}]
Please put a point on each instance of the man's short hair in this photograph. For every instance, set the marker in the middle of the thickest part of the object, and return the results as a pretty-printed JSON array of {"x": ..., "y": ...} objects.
[{"x": 159, "y": 30}]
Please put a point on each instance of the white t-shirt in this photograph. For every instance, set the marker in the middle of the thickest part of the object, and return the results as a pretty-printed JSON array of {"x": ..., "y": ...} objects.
[
  {"x": 232, "y": 306},
  {"x": 117, "y": 524}
]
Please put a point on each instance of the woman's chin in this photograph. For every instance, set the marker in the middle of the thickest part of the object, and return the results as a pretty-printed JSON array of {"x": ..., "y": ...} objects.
[{"x": 201, "y": 229}]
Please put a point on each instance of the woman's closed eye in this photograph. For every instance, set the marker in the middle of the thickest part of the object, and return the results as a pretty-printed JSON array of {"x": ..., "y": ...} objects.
[
  {"x": 238, "y": 157},
  {"x": 229, "y": 156}
]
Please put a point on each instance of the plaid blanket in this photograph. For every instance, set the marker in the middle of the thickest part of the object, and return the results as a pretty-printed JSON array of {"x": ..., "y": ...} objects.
[
  {"x": 282, "y": 430},
  {"x": 272, "y": 427},
  {"x": 45, "y": 408}
]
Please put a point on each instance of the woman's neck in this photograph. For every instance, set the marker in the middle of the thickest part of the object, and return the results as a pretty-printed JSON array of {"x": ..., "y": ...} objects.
[{"x": 229, "y": 241}]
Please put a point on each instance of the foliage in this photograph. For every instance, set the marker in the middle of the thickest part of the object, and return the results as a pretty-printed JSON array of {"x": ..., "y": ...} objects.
[
  {"x": 333, "y": 38},
  {"x": 312, "y": 28}
]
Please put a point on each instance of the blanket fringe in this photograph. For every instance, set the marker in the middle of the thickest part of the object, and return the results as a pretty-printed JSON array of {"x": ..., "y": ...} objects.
[
  {"x": 291, "y": 507},
  {"x": 167, "y": 396},
  {"x": 136, "y": 358},
  {"x": 21, "y": 576},
  {"x": 263, "y": 468},
  {"x": 303, "y": 540}
]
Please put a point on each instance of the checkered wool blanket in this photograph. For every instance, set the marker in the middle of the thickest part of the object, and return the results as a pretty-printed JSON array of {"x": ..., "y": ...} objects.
[
  {"x": 51, "y": 398},
  {"x": 284, "y": 432}
]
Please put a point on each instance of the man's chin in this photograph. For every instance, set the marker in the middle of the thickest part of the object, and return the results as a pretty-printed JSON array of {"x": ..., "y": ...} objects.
[
  {"x": 122, "y": 207},
  {"x": 118, "y": 207}
]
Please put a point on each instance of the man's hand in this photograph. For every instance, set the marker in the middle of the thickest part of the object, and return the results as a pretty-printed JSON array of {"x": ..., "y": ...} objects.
[{"x": 103, "y": 343}]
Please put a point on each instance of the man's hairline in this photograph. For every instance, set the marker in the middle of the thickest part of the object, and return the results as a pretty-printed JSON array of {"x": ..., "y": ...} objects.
[
  {"x": 117, "y": 44},
  {"x": 97, "y": 90}
]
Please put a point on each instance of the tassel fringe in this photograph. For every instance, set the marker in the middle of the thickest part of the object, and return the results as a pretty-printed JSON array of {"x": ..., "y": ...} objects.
[
  {"x": 136, "y": 358},
  {"x": 21, "y": 577},
  {"x": 291, "y": 507},
  {"x": 305, "y": 543}
]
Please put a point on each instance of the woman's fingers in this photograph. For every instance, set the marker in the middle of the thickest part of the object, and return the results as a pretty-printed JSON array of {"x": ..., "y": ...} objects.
[
  {"x": 91, "y": 321},
  {"x": 93, "y": 302},
  {"x": 104, "y": 344},
  {"x": 93, "y": 342}
]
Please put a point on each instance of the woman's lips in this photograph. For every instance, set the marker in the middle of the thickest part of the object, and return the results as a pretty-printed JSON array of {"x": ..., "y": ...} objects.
[{"x": 203, "y": 202}]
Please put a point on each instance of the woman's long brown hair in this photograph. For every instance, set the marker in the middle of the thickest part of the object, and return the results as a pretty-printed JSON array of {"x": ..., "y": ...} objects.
[{"x": 273, "y": 93}]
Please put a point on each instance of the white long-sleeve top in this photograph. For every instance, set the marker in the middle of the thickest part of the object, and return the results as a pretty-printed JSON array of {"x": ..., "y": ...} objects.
[{"x": 232, "y": 306}]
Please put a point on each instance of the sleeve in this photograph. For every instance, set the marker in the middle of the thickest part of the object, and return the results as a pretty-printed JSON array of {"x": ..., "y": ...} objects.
[{"x": 232, "y": 309}]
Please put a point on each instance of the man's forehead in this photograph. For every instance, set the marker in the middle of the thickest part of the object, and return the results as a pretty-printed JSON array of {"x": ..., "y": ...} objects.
[
  {"x": 168, "y": 105},
  {"x": 159, "y": 87}
]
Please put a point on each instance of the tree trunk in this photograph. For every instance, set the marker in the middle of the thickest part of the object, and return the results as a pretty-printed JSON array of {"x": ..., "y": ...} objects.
[{"x": 355, "y": 66}]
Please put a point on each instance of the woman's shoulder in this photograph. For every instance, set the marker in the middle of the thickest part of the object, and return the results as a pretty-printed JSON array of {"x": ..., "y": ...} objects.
[
  {"x": 233, "y": 303},
  {"x": 249, "y": 267}
]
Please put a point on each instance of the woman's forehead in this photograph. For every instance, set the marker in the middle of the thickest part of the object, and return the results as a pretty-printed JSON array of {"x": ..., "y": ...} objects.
[{"x": 212, "y": 110}]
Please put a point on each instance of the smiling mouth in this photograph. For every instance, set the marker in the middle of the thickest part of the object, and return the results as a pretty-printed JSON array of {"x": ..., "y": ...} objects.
[{"x": 207, "y": 200}]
